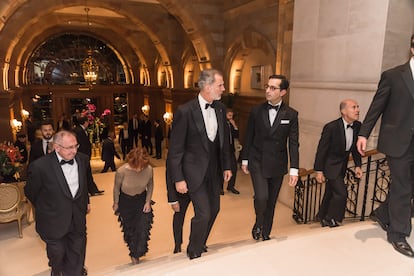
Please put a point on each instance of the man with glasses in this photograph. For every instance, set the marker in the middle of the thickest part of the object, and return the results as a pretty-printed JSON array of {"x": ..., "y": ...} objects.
[
  {"x": 57, "y": 186},
  {"x": 272, "y": 125}
]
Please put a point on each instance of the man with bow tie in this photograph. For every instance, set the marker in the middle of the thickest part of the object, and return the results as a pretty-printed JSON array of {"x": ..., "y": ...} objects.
[
  {"x": 57, "y": 186},
  {"x": 199, "y": 157},
  {"x": 271, "y": 127},
  {"x": 337, "y": 141}
]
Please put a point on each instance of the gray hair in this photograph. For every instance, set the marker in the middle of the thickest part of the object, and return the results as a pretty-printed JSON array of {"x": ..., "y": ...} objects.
[
  {"x": 58, "y": 137},
  {"x": 207, "y": 77}
]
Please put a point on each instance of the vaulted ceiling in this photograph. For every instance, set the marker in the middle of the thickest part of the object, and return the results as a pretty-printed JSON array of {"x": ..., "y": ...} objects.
[{"x": 145, "y": 33}]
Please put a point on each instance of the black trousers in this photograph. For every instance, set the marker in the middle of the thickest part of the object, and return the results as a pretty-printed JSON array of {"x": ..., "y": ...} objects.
[
  {"x": 109, "y": 164},
  {"x": 158, "y": 151},
  {"x": 266, "y": 192},
  {"x": 233, "y": 168},
  {"x": 178, "y": 219},
  {"x": 125, "y": 147},
  {"x": 67, "y": 255},
  {"x": 396, "y": 210},
  {"x": 334, "y": 200}
]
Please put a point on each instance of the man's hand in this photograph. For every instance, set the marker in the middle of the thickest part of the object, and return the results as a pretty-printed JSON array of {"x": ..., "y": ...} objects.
[
  {"x": 147, "y": 207},
  {"x": 89, "y": 209},
  {"x": 227, "y": 175},
  {"x": 245, "y": 169},
  {"x": 361, "y": 145},
  {"x": 358, "y": 172},
  {"x": 320, "y": 178},
  {"x": 181, "y": 187},
  {"x": 293, "y": 180},
  {"x": 176, "y": 207}
]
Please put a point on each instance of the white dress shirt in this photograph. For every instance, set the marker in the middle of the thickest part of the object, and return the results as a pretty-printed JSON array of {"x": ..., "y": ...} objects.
[
  {"x": 71, "y": 175},
  {"x": 210, "y": 119}
]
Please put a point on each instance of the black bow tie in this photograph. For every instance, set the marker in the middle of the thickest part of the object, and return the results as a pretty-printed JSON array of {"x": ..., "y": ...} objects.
[
  {"x": 275, "y": 107},
  {"x": 63, "y": 162},
  {"x": 350, "y": 126},
  {"x": 209, "y": 105}
]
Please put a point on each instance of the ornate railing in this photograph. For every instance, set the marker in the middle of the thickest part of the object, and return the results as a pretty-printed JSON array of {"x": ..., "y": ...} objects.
[{"x": 365, "y": 193}]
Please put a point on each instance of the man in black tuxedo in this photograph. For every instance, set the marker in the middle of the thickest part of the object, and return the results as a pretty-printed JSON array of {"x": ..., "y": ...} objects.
[
  {"x": 42, "y": 146},
  {"x": 133, "y": 127},
  {"x": 271, "y": 126},
  {"x": 198, "y": 153},
  {"x": 234, "y": 133},
  {"x": 394, "y": 100},
  {"x": 57, "y": 188},
  {"x": 85, "y": 147},
  {"x": 337, "y": 141},
  {"x": 146, "y": 134}
]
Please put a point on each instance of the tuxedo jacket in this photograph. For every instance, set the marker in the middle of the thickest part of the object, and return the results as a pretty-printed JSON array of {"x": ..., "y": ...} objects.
[
  {"x": 394, "y": 100},
  {"x": 108, "y": 150},
  {"x": 63, "y": 125},
  {"x": 36, "y": 150},
  {"x": 268, "y": 145},
  {"x": 331, "y": 155},
  {"x": 85, "y": 145},
  {"x": 57, "y": 211},
  {"x": 158, "y": 133},
  {"x": 188, "y": 154}
]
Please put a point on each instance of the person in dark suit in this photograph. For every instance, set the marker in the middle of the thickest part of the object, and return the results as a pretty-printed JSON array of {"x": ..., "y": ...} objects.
[
  {"x": 159, "y": 137},
  {"x": 125, "y": 140},
  {"x": 30, "y": 129},
  {"x": 394, "y": 100},
  {"x": 57, "y": 188},
  {"x": 146, "y": 134},
  {"x": 337, "y": 141},
  {"x": 42, "y": 146},
  {"x": 85, "y": 147},
  {"x": 109, "y": 153},
  {"x": 234, "y": 133},
  {"x": 63, "y": 123},
  {"x": 179, "y": 204},
  {"x": 133, "y": 127},
  {"x": 198, "y": 154},
  {"x": 271, "y": 126}
]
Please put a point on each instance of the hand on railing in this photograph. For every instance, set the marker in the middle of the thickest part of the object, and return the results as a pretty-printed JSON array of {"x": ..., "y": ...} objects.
[
  {"x": 361, "y": 145},
  {"x": 320, "y": 177}
]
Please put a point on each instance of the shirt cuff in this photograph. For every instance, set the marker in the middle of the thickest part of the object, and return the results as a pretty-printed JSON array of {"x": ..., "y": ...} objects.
[
  {"x": 294, "y": 171},
  {"x": 172, "y": 203}
]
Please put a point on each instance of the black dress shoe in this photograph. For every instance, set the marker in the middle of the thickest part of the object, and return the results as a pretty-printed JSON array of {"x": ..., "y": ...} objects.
[
  {"x": 265, "y": 237},
  {"x": 373, "y": 216},
  {"x": 177, "y": 248},
  {"x": 221, "y": 192},
  {"x": 205, "y": 248},
  {"x": 84, "y": 271},
  {"x": 193, "y": 255},
  {"x": 403, "y": 247},
  {"x": 256, "y": 233},
  {"x": 329, "y": 222},
  {"x": 233, "y": 190}
]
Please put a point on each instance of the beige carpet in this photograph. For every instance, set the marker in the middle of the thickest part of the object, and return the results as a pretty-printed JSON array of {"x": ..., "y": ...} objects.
[{"x": 353, "y": 249}]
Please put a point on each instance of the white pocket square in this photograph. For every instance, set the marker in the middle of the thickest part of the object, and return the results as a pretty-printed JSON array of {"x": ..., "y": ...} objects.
[{"x": 284, "y": 122}]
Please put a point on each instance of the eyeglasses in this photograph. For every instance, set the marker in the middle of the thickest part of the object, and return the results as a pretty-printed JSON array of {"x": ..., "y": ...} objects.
[
  {"x": 74, "y": 147},
  {"x": 271, "y": 87}
]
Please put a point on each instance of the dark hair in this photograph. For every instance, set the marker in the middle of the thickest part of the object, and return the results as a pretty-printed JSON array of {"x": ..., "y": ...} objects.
[
  {"x": 412, "y": 41},
  {"x": 82, "y": 120},
  {"x": 46, "y": 123},
  {"x": 284, "y": 84}
]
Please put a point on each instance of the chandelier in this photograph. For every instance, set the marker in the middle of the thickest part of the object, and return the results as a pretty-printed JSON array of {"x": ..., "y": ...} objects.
[{"x": 90, "y": 67}]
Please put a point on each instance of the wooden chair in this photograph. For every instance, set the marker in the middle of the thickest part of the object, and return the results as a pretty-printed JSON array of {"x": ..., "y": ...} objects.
[{"x": 12, "y": 207}]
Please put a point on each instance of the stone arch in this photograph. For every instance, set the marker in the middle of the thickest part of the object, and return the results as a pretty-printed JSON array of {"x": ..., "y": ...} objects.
[{"x": 250, "y": 47}]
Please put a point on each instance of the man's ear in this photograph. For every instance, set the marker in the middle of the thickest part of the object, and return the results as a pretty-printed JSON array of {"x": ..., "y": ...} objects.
[{"x": 283, "y": 92}]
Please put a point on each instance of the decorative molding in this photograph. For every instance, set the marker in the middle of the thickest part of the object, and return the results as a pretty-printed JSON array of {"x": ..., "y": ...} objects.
[{"x": 353, "y": 86}]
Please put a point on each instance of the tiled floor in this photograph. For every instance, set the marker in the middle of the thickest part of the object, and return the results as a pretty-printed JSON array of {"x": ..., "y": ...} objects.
[{"x": 353, "y": 249}]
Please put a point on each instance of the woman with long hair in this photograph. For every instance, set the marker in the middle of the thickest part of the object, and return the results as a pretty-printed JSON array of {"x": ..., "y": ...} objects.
[{"x": 132, "y": 201}]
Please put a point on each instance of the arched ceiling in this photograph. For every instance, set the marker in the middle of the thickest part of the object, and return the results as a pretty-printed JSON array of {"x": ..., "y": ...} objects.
[{"x": 142, "y": 31}]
